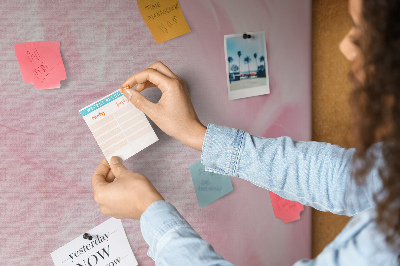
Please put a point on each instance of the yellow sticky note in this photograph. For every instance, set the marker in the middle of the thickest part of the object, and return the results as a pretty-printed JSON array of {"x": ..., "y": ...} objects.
[{"x": 164, "y": 18}]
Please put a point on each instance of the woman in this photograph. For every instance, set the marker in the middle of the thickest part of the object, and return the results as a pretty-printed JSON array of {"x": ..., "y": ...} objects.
[{"x": 320, "y": 175}]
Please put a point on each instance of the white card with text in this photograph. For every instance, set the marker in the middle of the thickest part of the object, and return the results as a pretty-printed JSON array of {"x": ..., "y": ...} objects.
[
  {"x": 118, "y": 126},
  {"x": 108, "y": 247}
]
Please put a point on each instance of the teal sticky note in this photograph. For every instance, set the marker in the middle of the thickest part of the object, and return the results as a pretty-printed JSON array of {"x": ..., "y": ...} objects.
[{"x": 209, "y": 186}]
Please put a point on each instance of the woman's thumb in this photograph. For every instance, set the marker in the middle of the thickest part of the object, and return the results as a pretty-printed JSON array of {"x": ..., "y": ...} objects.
[
  {"x": 116, "y": 166},
  {"x": 138, "y": 100}
]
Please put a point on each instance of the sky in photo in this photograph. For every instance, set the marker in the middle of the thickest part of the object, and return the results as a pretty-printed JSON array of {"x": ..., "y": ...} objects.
[{"x": 248, "y": 47}]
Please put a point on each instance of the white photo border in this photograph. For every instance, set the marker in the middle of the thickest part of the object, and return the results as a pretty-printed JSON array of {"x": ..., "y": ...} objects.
[{"x": 248, "y": 92}]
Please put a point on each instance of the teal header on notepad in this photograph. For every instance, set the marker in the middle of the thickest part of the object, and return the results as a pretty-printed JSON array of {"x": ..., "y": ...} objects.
[{"x": 100, "y": 103}]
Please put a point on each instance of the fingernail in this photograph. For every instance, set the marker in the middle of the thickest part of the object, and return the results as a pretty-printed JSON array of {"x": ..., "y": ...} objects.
[
  {"x": 115, "y": 160},
  {"x": 125, "y": 88},
  {"x": 129, "y": 92}
]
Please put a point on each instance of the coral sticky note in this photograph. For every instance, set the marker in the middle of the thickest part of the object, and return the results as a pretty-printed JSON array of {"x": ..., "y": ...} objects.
[
  {"x": 209, "y": 186},
  {"x": 284, "y": 209},
  {"x": 41, "y": 63},
  {"x": 164, "y": 18}
]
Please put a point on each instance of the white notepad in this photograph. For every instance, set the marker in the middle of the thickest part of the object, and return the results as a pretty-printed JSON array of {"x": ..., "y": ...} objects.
[
  {"x": 118, "y": 126},
  {"x": 108, "y": 246}
]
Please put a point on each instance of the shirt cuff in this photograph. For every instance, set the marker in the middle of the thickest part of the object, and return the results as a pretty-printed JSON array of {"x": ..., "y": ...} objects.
[
  {"x": 222, "y": 148},
  {"x": 158, "y": 219}
]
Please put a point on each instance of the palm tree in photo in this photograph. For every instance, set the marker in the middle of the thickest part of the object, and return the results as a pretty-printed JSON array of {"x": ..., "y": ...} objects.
[
  {"x": 255, "y": 60},
  {"x": 234, "y": 68},
  {"x": 230, "y": 60},
  {"x": 262, "y": 59},
  {"x": 262, "y": 72},
  {"x": 247, "y": 60},
  {"x": 239, "y": 55}
]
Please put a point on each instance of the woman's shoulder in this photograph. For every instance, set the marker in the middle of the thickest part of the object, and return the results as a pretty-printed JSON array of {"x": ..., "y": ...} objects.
[{"x": 362, "y": 240}]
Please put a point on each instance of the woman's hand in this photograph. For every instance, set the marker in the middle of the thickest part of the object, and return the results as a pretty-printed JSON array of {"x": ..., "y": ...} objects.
[
  {"x": 173, "y": 113},
  {"x": 127, "y": 197}
]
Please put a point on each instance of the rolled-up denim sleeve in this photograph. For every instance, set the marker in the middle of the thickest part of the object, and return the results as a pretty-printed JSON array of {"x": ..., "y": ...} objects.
[
  {"x": 316, "y": 174},
  {"x": 171, "y": 239}
]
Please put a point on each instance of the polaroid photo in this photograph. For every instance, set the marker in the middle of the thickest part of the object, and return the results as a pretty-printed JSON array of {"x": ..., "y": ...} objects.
[{"x": 246, "y": 64}]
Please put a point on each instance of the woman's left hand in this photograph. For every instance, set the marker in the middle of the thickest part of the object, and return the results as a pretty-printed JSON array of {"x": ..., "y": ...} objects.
[{"x": 127, "y": 197}]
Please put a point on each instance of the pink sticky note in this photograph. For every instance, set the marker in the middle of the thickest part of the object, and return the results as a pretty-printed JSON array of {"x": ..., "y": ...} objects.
[
  {"x": 284, "y": 209},
  {"x": 41, "y": 64}
]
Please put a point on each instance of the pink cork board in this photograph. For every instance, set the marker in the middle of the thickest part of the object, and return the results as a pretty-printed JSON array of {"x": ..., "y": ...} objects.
[{"x": 49, "y": 154}]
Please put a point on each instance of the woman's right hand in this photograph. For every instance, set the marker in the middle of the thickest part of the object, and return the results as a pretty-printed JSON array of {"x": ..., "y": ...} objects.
[{"x": 173, "y": 113}]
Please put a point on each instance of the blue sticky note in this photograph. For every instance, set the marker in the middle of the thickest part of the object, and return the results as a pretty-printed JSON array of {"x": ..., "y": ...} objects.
[{"x": 209, "y": 186}]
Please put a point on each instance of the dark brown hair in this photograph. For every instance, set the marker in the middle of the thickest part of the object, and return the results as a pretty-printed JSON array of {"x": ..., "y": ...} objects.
[{"x": 375, "y": 101}]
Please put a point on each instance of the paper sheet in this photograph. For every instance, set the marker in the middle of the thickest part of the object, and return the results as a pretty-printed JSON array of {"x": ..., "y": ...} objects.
[
  {"x": 118, "y": 126},
  {"x": 41, "y": 63},
  {"x": 109, "y": 246},
  {"x": 209, "y": 186},
  {"x": 164, "y": 18},
  {"x": 286, "y": 210}
]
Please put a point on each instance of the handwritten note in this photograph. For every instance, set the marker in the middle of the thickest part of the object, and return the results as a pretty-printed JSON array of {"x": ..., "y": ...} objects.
[
  {"x": 109, "y": 246},
  {"x": 284, "y": 209},
  {"x": 164, "y": 18},
  {"x": 118, "y": 126},
  {"x": 41, "y": 63},
  {"x": 209, "y": 186}
]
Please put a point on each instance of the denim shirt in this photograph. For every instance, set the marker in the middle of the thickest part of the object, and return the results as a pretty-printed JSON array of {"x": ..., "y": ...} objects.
[{"x": 313, "y": 173}]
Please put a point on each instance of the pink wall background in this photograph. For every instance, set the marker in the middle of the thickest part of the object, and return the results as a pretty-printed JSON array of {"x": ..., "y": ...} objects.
[{"x": 48, "y": 153}]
